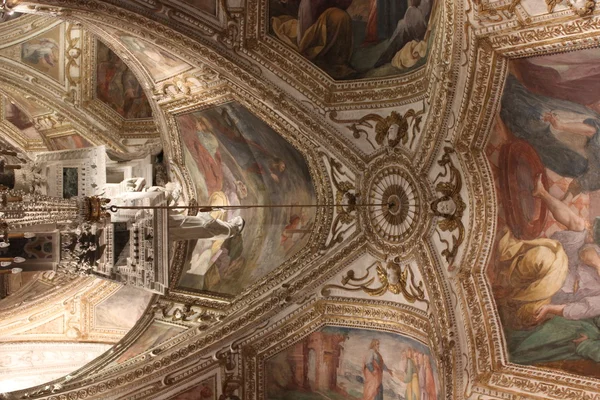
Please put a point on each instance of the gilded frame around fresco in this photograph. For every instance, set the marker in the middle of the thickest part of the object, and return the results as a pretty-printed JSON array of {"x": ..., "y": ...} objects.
[
  {"x": 299, "y": 141},
  {"x": 492, "y": 372},
  {"x": 324, "y": 91},
  {"x": 371, "y": 315}
]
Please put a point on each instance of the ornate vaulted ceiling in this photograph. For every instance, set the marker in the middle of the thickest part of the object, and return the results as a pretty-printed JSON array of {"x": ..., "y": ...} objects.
[{"x": 440, "y": 113}]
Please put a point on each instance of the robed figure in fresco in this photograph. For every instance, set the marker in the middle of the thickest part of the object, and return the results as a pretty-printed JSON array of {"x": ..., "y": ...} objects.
[
  {"x": 383, "y": 18},
  {"x": 322, "y": 32},
  {"x": 411, "y": 376},
  {"x": 551, "y": 301},
  {"x": 532, "y": 117},
  {"x": 373, "y": 369}
]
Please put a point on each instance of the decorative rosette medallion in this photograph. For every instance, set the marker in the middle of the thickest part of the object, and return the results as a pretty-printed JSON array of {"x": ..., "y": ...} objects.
[{"x": 400, "y": 214}]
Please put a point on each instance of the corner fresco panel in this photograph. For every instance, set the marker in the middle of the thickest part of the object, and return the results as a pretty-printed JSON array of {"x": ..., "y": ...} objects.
[
  {"x": 352, "y": 364},
  {"x": 117, "y": 86},
  {"x": 353, "y": 39},
  {"x": 43, "y": 53},
  {"x": 236, "y": 159},
  {"x": 545, "y": 156},
  {"x": 69, "y": 142},
  {"x": 16, "y": 116}
]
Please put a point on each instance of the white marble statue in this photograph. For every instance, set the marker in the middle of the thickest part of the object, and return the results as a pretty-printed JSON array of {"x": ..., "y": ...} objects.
[{"x": 181, "y": 226}]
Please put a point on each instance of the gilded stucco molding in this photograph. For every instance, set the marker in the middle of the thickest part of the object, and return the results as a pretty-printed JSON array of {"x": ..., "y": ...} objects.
[
  {"x": 517, "y": 34},
  {"x": 27, "y": 26},
  {"x": 483, "y": 70},
  {"x": 497, "y": 17}
]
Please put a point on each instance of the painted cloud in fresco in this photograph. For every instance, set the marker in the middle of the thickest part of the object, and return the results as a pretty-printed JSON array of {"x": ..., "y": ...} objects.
[{"x": 235, "y": 158}]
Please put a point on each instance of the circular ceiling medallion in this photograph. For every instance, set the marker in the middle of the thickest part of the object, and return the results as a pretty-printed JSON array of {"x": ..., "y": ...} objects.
[{"x": 397, "y": 210}]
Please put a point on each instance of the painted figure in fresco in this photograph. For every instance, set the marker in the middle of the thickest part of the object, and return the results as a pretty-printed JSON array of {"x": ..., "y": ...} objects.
[
  {"x": 551, "y": 307},
  {"x": 322, "y": 33},
  {"x": 134, "y": 100},
  {"x": 411, "y": 376},
  {"x": 430, "y": 388},
  {"x": 559, "y": 276},
  {"x": 118, "y": 87},
  {"x": 299, "y": 227},
  {"x": 43, "y": 54},
  {"x": 250, "y": 155},
  {"x": 410, "y": 28},
  {"x": 383, "y": 18},
  {"x": 530, "y": 116},
  {"x": 373, "y": 369},
  {"x": 204, "y": 148},
  {"x": 420, "y": 359}
]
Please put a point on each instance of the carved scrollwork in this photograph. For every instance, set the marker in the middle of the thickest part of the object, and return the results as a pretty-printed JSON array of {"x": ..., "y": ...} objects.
[
  {"x": 449, "y": 207},
  {"x": 185, "y": 85},
  {"x": 188, "y": 314},
  {"x": 389, "y": 131},
  {"x": 345, "y": 199},
  {"x": 580, "y": 7},
  {"x": 393, "y": 277}
]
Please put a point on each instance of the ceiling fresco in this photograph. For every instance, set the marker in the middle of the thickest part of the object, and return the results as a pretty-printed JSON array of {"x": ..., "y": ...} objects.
[
  {"x": 235, "y": 159},
  {"x": 353, "y": 39},
  {"x": 348, "y": 363},
  {"x": 450, "y": 146},
  {"x": 43, "y": 53},
  {"x": 118, "y": 87},
  {"x": 542, "y": 152},
  {"x": 20, "y": 120}
]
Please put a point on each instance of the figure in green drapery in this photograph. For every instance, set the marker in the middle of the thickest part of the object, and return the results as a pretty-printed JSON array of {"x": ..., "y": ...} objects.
[
  {"x": 557, "y": 339},
  {"x": 550, "y": 306}
]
